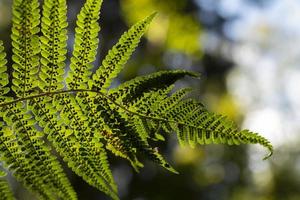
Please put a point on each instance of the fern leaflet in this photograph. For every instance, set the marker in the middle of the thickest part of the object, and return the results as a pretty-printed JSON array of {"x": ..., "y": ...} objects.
[
  {"x": 25, "y": 42},
  {"x": 53, "y": 45},
  {"x": 86, "y": 44},
  {"x": 119, "y": 54}
]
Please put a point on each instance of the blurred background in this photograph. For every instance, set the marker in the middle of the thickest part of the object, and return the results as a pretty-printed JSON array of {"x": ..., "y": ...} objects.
[{"x": 247, "y": 52}]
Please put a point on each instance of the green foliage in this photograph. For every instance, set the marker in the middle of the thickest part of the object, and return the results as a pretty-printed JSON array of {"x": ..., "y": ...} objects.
[
  {"x": 120, "y": 53},
  {"x": 5, "y": 192},
  {"x": 53, "y": 45},
  {"x": 26, "y": 48},
  {"x": 85, "y": 45},
  {"x": 80, "y": 116}
]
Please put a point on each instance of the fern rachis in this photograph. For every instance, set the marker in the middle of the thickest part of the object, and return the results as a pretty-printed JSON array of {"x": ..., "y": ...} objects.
[{"x": 86, "y": 119}]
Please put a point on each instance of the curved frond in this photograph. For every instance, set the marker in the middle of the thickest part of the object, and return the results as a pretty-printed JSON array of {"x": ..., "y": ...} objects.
[
  {"x": 86, "y": 44},
  {"x": 26, "y": 47},
  {"x": 52, "y": 180},
  {"x": 134, "y": 89},
  {"x": 129, "y": 141},
  {"x": 118, "y": 55},
  {"x": 88, "y": 144},
  {"x": 193, "y": 124}
]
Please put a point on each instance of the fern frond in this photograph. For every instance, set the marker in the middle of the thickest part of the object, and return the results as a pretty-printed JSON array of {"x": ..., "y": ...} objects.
[
  {"x": 89, "y": 144},
  {"x": 111, "y": 65},
  {"x": 118, "y": 55},
  {"x": 74, "y": 153},
  {"x": 86, "y": 150},
  {"x": 89, "y": 105},
  {"x": 85, "y": 45},
  {"x": 53, "y": 45},
  {"x": 17, "y": 161},
  {"x": 170, "y": 102},
  {"x": 134, "y": 89},
  {"x": 115, "y": 60},
  {"x": 26, "y": 47},
  {"x": 3, "y": 74},
  {"x": 177, "y": 113},
  {"x": 150, "y": 100},
  {"x": 75, "y": 118},
  {"x": 96, "y": 124},
  {"x": 47, "y": 168},
  {"x": 193, "y": 124},
  {"x": 5, "y": 192},
  {"x": 129, "y": 142}
]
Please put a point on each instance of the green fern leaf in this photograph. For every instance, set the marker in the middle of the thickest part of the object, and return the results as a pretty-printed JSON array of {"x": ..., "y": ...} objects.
[
  {"x": 24, "y": 169},
  {"x": 134, "y": 89},
  {"x": 5, "y": 192},
  {"x": 86, "y": 44},
  {"x": 77, "y": 148},
  {"x": 111, "y": 65},
  {"x": 93, "y": 150},
  {"x": 194, "y": 124},
  {"x": 3, "y": 74},
  {"x": 146, "y": 128},
  {"x": 81, "y": 69},
  {"x": 118, "y": 56},
  {"x": 72, "y": 116},
  {"x": 26, "y": 49},
  {"x": 128, "y": 140},
  {"x": 26, "y": 46},
  {"x": 53, "y": 45},
  {"x": 38, "y": 153},
  {"x": 64, "y": 140}
]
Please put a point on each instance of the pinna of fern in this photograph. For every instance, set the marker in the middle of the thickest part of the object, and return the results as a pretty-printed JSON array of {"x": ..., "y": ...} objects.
[{"x": 81, "y": 115}]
